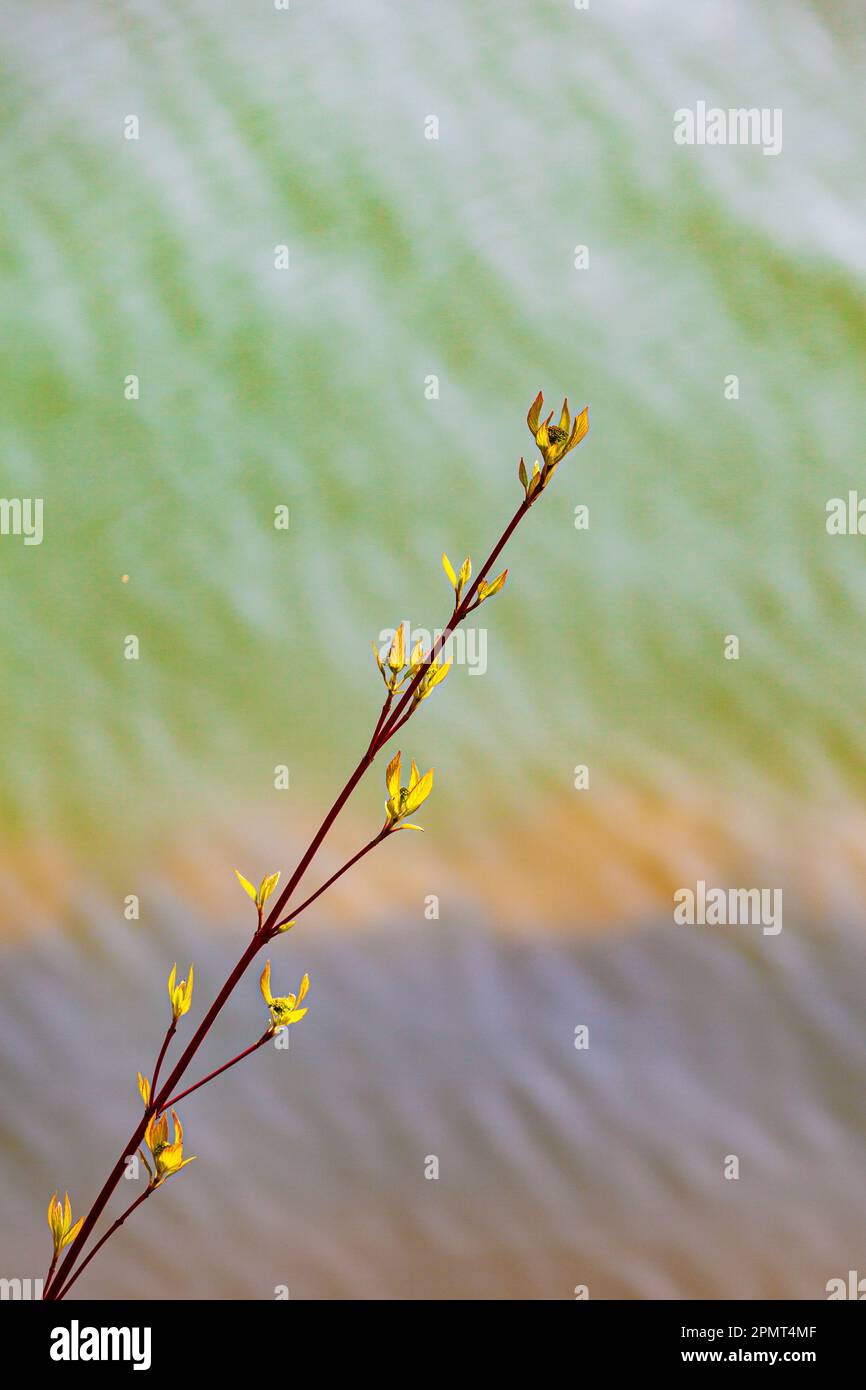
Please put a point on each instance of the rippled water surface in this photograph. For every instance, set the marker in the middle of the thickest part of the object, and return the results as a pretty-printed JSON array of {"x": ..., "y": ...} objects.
[
  {"x": 557, "y": 1167},
  {"x": 454, "y": 258}
]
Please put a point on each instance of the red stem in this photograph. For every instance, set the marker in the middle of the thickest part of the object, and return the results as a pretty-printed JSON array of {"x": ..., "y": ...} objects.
[
  {"x": 74, "y": 1250},
  {"x": 266, "y": 931},
  {"x": 391, "y": 725},
  {"x": 142, "y": 1196},
  {"x": 270, "y": 926},
  {"x": 395, "y": 728},
  {"x": 381, "y": 720},
  {"x": 295, "y": 912},
  {"x": 225, "y": 1066},
  {"x": 162, "y": 1051}
]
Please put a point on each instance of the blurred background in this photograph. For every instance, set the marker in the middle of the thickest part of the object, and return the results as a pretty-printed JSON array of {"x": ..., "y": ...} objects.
[{"x": 412, "y": 258}]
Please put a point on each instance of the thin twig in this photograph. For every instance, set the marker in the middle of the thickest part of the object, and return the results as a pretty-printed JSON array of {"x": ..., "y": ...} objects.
[
  {"x": 388, "y": 722},
  {"x": 50, "y": 1275},
  {"x": 142, "y": 1197},
  {"x": 390, "y": 726},
  {"x": 381, "y": 720},
  {"x": 162, "y": 1051},
  {"x": 260, "y": 1042},
  {"x": 135, "y": 1139},
  {"x": 294, "y": 912}
]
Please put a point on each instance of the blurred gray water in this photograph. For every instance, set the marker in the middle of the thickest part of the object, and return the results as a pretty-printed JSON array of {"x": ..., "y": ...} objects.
[{"x": 557, "y": 1167}]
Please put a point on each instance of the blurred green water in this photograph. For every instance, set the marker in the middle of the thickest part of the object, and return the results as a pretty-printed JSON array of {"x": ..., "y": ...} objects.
[{"x": 306, "y": 387}]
